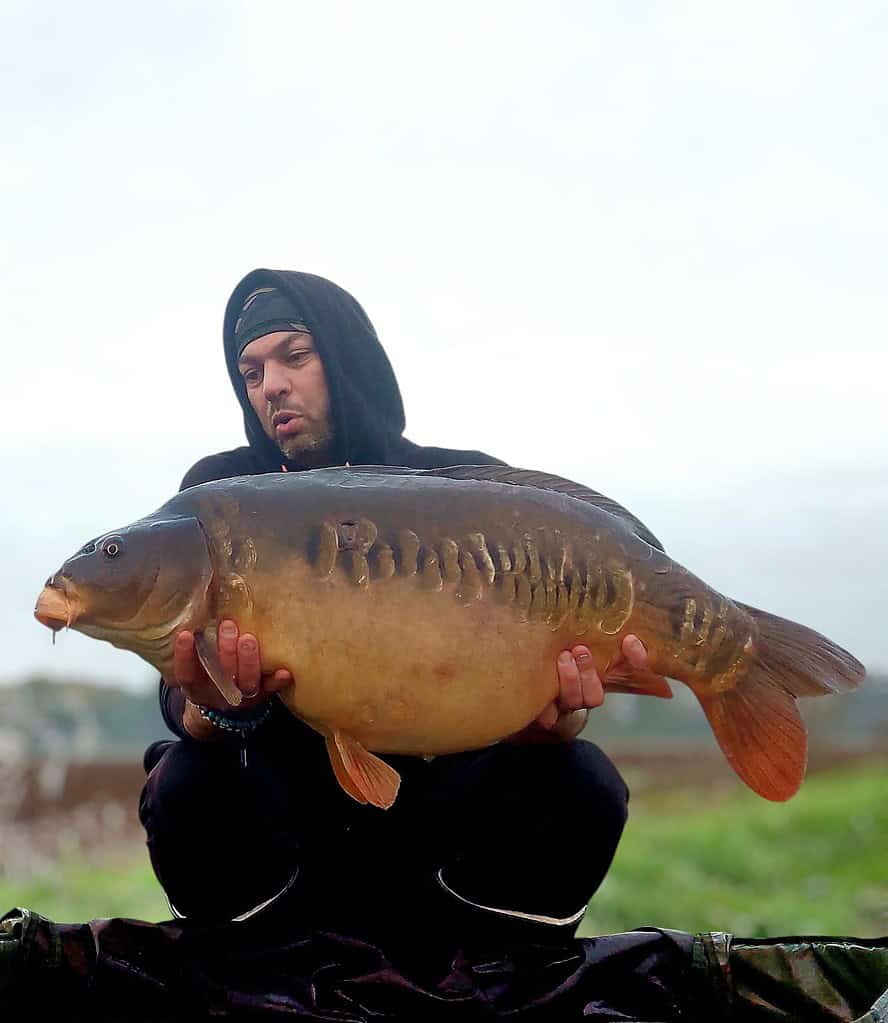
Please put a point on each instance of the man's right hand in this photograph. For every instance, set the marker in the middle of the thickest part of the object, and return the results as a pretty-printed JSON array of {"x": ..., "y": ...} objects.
[{"x": 240, "y": 659}]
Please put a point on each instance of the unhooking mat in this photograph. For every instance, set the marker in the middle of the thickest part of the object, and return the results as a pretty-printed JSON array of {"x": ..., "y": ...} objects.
[{"x": 128, "y": 970}]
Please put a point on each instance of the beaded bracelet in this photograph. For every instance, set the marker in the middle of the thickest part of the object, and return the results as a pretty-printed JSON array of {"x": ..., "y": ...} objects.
[{"x": 243, "y": 726}]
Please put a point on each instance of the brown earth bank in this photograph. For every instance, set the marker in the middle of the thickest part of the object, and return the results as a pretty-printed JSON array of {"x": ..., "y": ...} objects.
[
  {"x": 50, "y": 810},
  {"x": 31, "y": 790},
  {"x": 652, "y": 769}
]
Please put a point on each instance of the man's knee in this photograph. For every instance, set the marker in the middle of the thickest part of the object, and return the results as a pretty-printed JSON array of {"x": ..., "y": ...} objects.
[
  {"x": 184, "y": 778},
  {"x": 221, "y": 838},
  {"x": 565, "y": 777},
  {"x": 592, "y": 777},
  {"x": 194, "y": 782},
  {"x": 545, "y": 826}
]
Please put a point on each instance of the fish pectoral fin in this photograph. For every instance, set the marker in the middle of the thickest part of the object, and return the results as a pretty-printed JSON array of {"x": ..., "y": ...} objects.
[
  {"x": 363, "y": 775},
  {"x": 640, "y": 682},
  {"x": 207, "y": 646}
]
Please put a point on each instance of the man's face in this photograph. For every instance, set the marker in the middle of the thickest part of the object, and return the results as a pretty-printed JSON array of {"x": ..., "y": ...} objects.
[{"x": 287, "y": 387}]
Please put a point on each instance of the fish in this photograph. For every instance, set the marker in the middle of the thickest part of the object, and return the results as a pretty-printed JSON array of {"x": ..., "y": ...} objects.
[{"x": 421, "y": 611}]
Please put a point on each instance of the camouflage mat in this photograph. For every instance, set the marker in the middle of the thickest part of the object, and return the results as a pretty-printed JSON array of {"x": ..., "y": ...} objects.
[{"x": 120, "y": 969}]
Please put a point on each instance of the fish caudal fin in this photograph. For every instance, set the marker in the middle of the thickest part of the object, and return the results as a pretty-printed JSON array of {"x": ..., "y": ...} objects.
[
  {"x": 761, "y": 734},
  {"x": 756, "y": 721},
  {"x": 363, "y": 775},
  {"x": 802, "y": 660}
]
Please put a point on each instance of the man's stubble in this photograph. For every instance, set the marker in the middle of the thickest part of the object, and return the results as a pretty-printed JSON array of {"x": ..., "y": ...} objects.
[{"x": 312, "y": 449}]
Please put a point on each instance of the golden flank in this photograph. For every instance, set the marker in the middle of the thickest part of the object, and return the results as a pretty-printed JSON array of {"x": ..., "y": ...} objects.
[{"x": 421, "y": 611}]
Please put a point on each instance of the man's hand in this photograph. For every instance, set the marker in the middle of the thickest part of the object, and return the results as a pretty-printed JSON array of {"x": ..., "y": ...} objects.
[
  {"x": 240, "y": 659},
  {"x": 580, "y": 690}
]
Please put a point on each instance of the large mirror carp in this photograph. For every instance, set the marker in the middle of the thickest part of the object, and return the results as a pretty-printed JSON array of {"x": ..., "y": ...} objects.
[{"x": 421, "y": 611}]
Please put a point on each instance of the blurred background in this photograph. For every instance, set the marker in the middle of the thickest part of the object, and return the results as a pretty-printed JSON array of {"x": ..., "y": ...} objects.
[{"x": 640, "y": 245}]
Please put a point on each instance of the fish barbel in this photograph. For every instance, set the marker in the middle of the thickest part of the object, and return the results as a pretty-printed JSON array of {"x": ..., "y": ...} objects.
[{"x": 421, "y": 611}]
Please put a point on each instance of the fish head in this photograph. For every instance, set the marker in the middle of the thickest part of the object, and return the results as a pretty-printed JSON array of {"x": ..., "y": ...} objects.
[{"x": 135, "y": 587}]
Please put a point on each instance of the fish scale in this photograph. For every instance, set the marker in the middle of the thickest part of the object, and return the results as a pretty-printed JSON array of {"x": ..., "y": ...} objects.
[{"x": 554, "y": 592}]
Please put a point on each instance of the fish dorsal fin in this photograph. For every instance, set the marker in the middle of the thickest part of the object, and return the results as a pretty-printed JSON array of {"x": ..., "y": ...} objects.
[{"x": 525, "y": 478}]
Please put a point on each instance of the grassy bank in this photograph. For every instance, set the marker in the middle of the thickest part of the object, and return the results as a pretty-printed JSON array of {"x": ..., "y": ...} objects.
[
  {"x": 78, "y": 891},
  {"x": 816, "y": 865}
]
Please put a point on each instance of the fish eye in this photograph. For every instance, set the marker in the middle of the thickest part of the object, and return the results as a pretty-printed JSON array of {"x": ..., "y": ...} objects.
[{"x": 112, "y": 547}]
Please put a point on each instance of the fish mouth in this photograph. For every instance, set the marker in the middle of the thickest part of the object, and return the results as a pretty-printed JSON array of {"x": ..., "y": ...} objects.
[{"x": 56, "y": 608}]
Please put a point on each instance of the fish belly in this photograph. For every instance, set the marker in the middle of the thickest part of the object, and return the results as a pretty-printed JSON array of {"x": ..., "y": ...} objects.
[{"x": 407, "y": 671}]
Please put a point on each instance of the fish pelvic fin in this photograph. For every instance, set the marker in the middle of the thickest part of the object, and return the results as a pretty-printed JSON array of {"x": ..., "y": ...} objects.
[
  {"x": 207, "y": 646},
  {"x": 363, "y": 775},
  {"x": 756, "y": 720}
]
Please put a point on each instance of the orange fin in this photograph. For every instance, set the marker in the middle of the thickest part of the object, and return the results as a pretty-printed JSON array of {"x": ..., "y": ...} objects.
[
  {"x": 638, "y": 681},
  {"x": 339, "y": 769},
  {"x": 755, "y": 717},
  {"x": 206, "y": 644},
  {"x": 761, "y": 732},
  {"x": 363, "y": 775}
]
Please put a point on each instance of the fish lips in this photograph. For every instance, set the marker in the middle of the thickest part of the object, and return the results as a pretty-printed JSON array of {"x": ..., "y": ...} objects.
[{"x": 57, "y": 606}]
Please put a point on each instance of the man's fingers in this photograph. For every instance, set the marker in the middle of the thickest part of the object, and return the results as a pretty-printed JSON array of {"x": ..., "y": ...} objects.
[
  {"x": 184, "y": 660},
  {"x": 278, "y": 681},
  {"x": 592, "y": 691},
  {"x": 634, "y": 651},
  {"x": 550, "y": 716},
  {"x": 249, "y": 670},
  {"x": 227, "y": 643},
  {"x": 570, "y": 687}
]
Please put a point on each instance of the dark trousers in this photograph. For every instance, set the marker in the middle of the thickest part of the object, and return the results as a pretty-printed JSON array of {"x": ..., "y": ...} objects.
[{"x": 531, "y": 829}]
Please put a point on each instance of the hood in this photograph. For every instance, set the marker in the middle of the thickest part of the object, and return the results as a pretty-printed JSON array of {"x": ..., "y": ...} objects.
[{"x": 365, "y": 401}]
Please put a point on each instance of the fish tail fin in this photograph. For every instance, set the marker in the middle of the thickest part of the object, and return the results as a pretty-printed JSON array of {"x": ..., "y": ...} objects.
[
  {"x": 761, "y": 733},
  {"x": 801, "y": 660},
  {"x": 755, "y": 719}
]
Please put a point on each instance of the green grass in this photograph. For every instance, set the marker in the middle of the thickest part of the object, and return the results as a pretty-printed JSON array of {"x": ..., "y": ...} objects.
[
  {"x": 815, "y": 865},
  {"x": 77, "y": 891}
]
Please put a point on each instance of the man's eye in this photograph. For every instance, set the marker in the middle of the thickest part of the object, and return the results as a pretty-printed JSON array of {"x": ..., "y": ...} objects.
[
  {"x": 298, "y": 355},
  {"x": 251, "y": 376}
]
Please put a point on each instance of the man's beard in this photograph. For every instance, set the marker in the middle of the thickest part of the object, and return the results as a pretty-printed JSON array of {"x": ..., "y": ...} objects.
[{"x": 312, "y": 449}]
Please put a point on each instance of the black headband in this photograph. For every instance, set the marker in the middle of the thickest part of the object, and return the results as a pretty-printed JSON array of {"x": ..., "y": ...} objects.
[{"x": 265, "y": 311}]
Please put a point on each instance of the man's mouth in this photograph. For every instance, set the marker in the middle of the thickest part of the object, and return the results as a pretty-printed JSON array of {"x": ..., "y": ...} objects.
[{"x": 286, "y": 423}]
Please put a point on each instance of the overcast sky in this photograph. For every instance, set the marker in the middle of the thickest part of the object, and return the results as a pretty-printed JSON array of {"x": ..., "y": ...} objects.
[{"x": 638, "y": 244}]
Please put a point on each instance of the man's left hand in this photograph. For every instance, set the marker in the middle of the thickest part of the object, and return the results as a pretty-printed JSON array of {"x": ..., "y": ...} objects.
[{"x": 580, "y": 690}]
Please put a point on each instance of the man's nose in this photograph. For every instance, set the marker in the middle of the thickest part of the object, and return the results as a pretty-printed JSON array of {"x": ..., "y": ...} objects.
[{"x": 275, "y": 382}]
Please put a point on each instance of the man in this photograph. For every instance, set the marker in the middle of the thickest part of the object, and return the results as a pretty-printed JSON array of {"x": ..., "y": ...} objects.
[{"x": 508, "y": 842}]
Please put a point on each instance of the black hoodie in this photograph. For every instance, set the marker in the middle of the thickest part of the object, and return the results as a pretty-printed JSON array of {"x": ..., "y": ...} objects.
[{"x": 367, "y": 411}]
